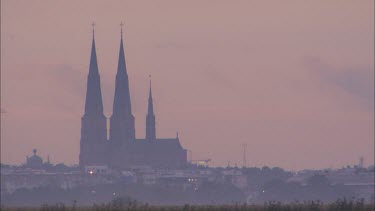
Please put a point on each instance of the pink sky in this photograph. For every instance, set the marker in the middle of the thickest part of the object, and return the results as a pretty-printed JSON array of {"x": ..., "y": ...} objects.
[{"x": 292, "y": 79}]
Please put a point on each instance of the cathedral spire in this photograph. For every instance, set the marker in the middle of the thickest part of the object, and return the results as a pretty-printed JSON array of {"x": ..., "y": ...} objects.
[
  {"x": 121, "y": 67},
  {"x": 122, "y": 119},
  {"x": 150, "y": 103},
  {"x": 122, "y": 103},
  {"x": 150, "y": 118},
  {"x": 94, "y": 103},
  {"x": 93, "y": 122},
  {"x": 93, "y": 61}
]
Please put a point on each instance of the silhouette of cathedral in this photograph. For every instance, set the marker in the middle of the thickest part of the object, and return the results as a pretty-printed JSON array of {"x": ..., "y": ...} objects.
[{"x": 122, "y": 150}]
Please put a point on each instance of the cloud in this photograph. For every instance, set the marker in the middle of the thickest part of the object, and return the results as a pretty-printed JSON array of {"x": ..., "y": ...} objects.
[{"x": 358, "y": 82}]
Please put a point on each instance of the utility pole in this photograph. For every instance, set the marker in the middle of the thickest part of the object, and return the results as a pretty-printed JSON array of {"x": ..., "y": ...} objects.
[
  {"x": 361, "y": 161},
  {"x": 244, "y": 155}
]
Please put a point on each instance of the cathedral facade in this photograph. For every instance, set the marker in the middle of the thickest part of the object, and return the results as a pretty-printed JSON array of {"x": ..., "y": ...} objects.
[{"x": 122, "y": 149}]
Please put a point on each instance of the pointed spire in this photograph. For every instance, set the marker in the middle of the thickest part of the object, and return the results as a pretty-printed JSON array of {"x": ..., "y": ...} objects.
[
  {"x": 94, "y": 102},
  {"x": 150, "y": 118},
  {"x": 93, "y": 60},
  {"x": 122, "y": 120},
  {"x": 93, "y": 125},
  {"x": 122, "y": 103},
  {"x": 150, "y": 103},
  {"x": 121, "y": 68}
]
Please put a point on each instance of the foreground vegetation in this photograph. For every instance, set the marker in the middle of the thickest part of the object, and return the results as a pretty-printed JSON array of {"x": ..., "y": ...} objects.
[{"x": 130, "y": 204}]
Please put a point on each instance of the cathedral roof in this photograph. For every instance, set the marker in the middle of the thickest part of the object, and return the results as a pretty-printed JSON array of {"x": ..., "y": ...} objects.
[{"x": 160, "y": 144}]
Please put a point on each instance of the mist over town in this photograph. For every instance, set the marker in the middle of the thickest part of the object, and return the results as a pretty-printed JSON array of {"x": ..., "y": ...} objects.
[{"x": 154, "y": 104}]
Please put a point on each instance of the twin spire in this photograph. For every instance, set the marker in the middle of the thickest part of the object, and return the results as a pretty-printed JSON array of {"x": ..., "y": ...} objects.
[
  {"x": 122, "y": 103},
  {"x": 94, "y": 103},
  {"x": 122, "y": 120}
]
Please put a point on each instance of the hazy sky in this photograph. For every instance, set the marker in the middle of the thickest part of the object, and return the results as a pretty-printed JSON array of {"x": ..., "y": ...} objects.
[{"x": 292, "y": 79}]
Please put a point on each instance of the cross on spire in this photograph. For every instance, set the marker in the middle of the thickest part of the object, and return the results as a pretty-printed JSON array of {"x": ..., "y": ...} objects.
[
  {"x": 121, "y": 25},
  {"x": 93, "y": 28}
]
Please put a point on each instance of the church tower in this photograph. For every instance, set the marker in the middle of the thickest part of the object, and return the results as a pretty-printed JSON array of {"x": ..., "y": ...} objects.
[
  {"x": 93, "y": 122},
  {"x": 122, "y": 127},
  {"x": 150, "y": 119}
]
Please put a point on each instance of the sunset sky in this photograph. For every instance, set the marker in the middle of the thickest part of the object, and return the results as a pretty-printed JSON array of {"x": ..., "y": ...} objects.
[{"x": 294, "y": 80}]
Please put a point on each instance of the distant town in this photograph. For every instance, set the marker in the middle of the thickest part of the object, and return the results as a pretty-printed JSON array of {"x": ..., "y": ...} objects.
[{"x": 38, "y": 182}]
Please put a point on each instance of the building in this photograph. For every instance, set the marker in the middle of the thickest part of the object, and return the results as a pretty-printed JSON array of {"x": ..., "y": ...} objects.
[
  {"x": 122, "y": 150},
  {"x": 34, "y": 161}
]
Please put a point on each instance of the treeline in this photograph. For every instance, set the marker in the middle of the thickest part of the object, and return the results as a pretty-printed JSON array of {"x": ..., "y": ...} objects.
[
  {"x": 131, "y": 204},
  {"x": 341, "y": 204}
]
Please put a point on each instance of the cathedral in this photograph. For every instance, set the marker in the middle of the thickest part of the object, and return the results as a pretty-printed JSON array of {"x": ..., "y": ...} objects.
[{"x": 122, "y": 150}]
